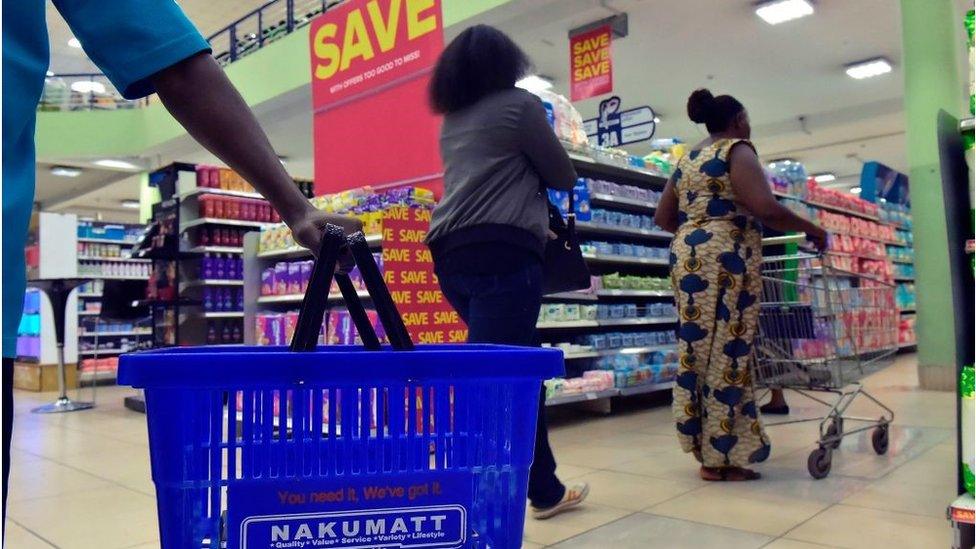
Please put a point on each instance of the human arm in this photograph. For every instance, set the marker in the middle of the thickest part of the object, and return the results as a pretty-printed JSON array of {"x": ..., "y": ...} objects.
[
  {"x": 753, "y": 192},
  {"x": 546, "y": 154},
  {"x": 201, "y": 98},
  {"x": 666, "y": 215}
]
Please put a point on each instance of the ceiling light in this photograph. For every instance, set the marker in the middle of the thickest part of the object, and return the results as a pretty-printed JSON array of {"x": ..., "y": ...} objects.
[
  {"x": 868, "y": 68},
  {"x": 65, "y": 171},
  {"x": 657, "y": 119},
  {"x": 87, "y": 86},
  {"x": 781, "y": 11},
  {"x": 534, "y": 83},
  {"x": 855, "y": 190},
  {"x": 49, "y": 73},
  {"x": 131, "y": 204},
  {"x": 824, "y": 177},
  {"x": 116, "y": 164},
  {"x": 74, "y": 43}
]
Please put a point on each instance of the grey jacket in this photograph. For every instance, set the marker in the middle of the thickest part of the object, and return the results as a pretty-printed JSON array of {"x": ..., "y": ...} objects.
[{"x": 499, "y": 154}]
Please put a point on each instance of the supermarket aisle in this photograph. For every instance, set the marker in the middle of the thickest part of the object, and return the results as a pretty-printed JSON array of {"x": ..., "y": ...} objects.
[{"x": 82, "y": 481}]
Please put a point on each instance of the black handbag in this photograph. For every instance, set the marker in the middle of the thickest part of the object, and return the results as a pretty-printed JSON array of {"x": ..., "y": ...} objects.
[{"x": 565, "y": 269}]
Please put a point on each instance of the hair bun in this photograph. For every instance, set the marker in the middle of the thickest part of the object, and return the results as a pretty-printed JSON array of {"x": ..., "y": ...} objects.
[{"x": 701, "y": 104}]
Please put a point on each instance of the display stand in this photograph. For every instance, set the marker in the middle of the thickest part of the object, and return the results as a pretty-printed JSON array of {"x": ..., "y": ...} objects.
[{"x": 57, "y": 291}]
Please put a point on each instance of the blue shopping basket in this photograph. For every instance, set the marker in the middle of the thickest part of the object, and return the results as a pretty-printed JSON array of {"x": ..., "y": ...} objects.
[{"x": 342, "y": 447}]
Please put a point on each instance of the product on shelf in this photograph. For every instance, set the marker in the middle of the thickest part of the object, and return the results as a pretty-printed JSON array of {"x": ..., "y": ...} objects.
[
  {"x": 361, "y": 203},
  {"x": 664, "y": 154},
  {"x": 566, "y": 121},
  {"x": 839, "y": 199},
  {"x": 102, "y": 231},
  {"x": 96, "y": 366},
  {"x": 237, "y": 208},
  {"x": 291, "y": 278},
  {"x": 222, "y": 267},
  {"x": 113, "y": 269},
  {"x": 905, "y": 295},
  {"x": 574, "y": 312},
  {"x": 225, "y": 331},
  {"x": 968, "y": 401},
  {"x": 906, "y": 331},
  {"x": 99, "y": 250},
  {"x": 223, "y": 299},
  {"x": 896, "y": 214},
  {"x": 617, "y": 281},
  {"x": 624, "y": 249},
  {"x": 221, "y": 236},
  {"x": 599, "y": 186}
]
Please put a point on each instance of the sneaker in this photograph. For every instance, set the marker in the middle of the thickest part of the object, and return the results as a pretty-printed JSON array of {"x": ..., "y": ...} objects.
[{"x": 575, "y": 495}]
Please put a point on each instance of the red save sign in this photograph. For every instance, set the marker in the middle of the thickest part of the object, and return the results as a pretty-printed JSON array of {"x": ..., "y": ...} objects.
[
  {"x": 590, "y": 63},
  {"x": 371, "y": 61},
  {"x": 362, "y": 45}
]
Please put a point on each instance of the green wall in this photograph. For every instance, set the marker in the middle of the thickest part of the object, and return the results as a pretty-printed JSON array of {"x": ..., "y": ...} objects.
[
  {"x": 932, "y": 82},
  {"x": 268, "y": 73}
]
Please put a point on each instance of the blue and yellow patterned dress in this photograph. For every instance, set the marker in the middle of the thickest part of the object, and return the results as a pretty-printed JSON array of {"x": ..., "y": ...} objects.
[{"x": 716, "y": 257}]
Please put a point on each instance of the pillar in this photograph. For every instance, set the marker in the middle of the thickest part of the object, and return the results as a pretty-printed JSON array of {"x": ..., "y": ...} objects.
[{"x": 931, "y": 43}]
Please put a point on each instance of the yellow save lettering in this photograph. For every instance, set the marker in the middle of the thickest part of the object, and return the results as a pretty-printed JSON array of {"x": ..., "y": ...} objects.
[
  {"x": 326, "y": 51},
  {"x": 355, "y": 42},
  {"x": 386, "y": 30},
  {"x": 417, "y": 27}
]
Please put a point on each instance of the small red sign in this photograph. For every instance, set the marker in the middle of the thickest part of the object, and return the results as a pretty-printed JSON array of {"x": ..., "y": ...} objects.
[{"x": 590, "y": 63}]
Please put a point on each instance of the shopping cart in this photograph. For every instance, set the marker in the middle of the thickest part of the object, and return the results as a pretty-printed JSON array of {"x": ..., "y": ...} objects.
[
  {"x": 341, "y": 446},
  {"x": 821, "y": 330}
]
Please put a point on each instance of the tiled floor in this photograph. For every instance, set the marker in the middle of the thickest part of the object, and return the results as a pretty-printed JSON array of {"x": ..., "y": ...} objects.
[{"x": 81, "y": 481}]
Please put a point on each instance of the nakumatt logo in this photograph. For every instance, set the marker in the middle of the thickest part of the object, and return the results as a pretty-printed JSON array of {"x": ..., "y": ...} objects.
[{"x": 429, "y": 527}]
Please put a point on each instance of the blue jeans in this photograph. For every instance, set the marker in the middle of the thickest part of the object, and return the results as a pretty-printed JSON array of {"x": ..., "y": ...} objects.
[{"x": 503, "y": 309}]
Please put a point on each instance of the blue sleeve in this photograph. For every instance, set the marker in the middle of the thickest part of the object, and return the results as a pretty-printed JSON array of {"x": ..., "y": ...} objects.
[{"x": 131, "y": 40}]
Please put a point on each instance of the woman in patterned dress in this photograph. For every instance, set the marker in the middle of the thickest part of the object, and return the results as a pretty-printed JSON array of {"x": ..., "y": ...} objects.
[{"x": 714, "y": 203}]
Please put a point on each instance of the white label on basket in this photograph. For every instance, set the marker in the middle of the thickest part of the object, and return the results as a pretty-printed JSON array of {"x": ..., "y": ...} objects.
[{"x": 430, "y": 527}]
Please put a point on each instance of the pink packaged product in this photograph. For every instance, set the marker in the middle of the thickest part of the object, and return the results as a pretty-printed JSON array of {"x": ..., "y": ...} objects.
[
  {"x": 306, "y": 274},
  {"x": 280, "y": 278},
  {"x": 294, "y": 285},
  {"x": 261, "y": 330},
  {"x": 268, "y": 281},
  {"x": 289, "y": 322}
]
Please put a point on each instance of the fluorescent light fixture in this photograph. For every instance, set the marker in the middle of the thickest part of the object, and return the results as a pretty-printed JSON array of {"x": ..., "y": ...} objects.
[
  {"x": 86, "y": 86},
  {"x": 855, "y": 190},
  {"x": 116, "y": 164},
  {"x": 131, "y": 204},
  {"x": 824, "y": 177},
  {"x": 781, "y": 11},
  {"x": 65, "y": 171},
  {"x": 74, "y": 43},
  {"x": 534, "y": 83},
  {"x": 868, "y": 68},
  {"x": 657, "y": 119}
]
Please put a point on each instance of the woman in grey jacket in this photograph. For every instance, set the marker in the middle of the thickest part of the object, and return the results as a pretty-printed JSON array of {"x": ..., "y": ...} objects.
[{"x": 488, "y": 233}]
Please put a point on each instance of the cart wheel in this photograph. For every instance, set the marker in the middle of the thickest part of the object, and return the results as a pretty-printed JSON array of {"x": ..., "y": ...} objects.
[
  {"x": 879, "y": 439},
  {"x": 818, "y": 464},
  {"x": 836, "y": 429}
]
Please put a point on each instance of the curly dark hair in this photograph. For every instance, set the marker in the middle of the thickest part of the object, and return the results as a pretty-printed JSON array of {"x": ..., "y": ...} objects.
[
  {"x": 480, "y": 61},
  {"x": 717, "y": 113}
]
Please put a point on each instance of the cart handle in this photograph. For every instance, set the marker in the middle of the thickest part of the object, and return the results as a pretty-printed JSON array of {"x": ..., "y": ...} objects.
[{"x": 310, "y": 317}]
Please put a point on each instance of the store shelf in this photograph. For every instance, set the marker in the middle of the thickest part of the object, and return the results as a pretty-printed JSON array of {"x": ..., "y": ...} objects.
[
  {"x": 219, "y": 192},
  {"x": 297, "y": 298},
  {"x": 374, "y": 241},
  {"x": 635, "y": 293},
  {"x": 116, "y": 259},
  {"x": 907, "y": 311},
  {"x": 650, "y": 321},
  {"x": 838, "y": 209},
  {"x": 624, "y": 259},
  {"x": 601, "y": 199},
  {"x": 104, "y": 352},
  {"x": 107, "y": 277},
  {"x": 223, "y": 314},
  {"x": 898, "y": 260},
  {"x": 116, "y": 334},
  {"x": 622, "y": 351},
  {"x": 89, "y": 295},
  {"x": 589, "y": 227},
  {"x": 904, "y": 279},
  {"x": 104, "y": 375},
  {"x": 212, "y": 282},
  {"x": 609, "y": 393},
  {"x": 106, "y": 241},
  {"x": 89, "y": 313},
  {"x": 220, "y": 221},
  {"x": 572, "y": 296},
  {"x": 645, "y": 389},
  {"x": 216, "y": 250},
  {"x": 585, "y": 165},
  {"x": 907, "y": 345},
  {"x": 581, "y": 397}
]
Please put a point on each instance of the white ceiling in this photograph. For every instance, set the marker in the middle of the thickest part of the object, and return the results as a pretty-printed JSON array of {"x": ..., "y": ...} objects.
[{"x": 779, "y": 72}]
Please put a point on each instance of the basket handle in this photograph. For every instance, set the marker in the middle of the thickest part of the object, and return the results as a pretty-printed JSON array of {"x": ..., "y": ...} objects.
[{"x": 314, "y": 303}]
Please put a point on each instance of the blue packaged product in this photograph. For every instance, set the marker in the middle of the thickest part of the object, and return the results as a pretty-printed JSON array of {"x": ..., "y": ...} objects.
[
  {"x": 630, "y": 310},
  {"x": 618, "y": 311},
  {"x": 627, "y": 340},
  {"x": 614, "y": 340},
  {"x": 581, "y": 196},
  {"x": 598, "y": 216}
]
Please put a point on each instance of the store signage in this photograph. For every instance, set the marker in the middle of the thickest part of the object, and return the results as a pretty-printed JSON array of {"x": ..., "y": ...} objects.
[
  {"x": 378, "y": 510},
  {"x": 370, "y": 64},
  {"x": 880, "y": 182},
  {"x": 408, "y": 269},
  {"x": 615, "y": 127},
  {"x": 590, "y": 63}
]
